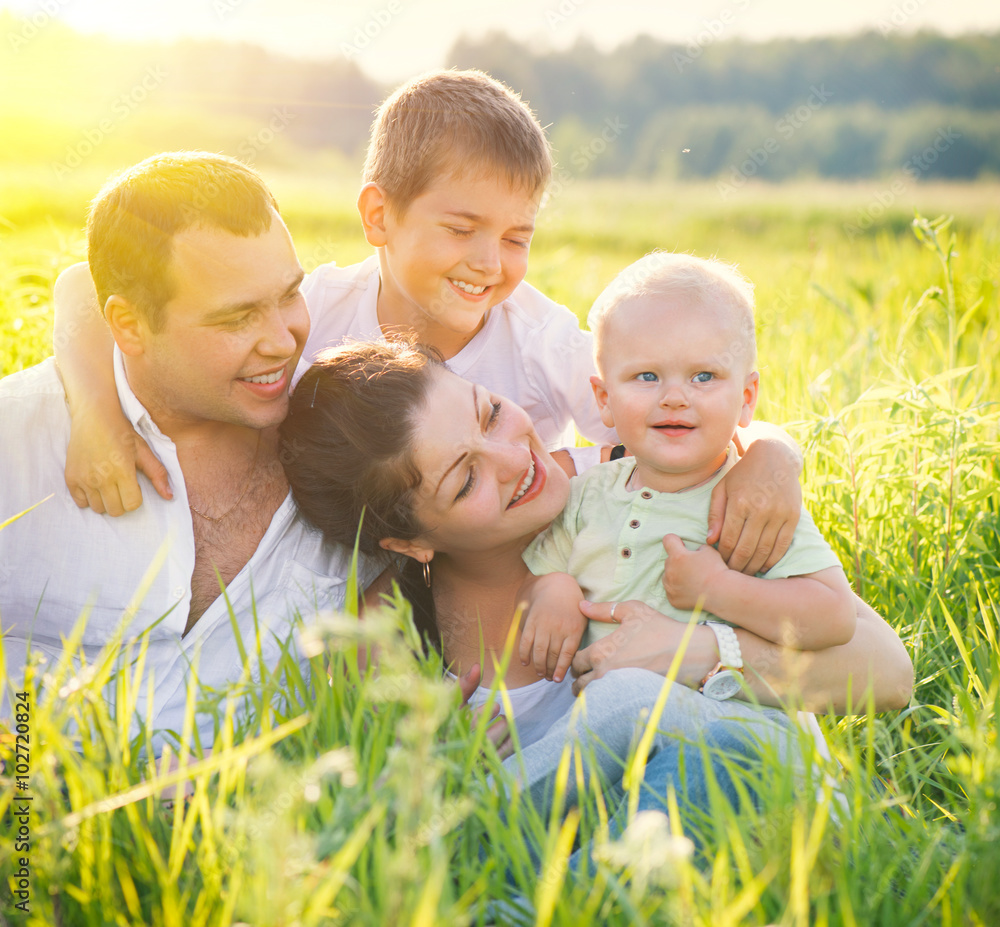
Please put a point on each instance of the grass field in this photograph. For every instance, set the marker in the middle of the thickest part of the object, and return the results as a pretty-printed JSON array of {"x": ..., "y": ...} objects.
[{"x": 364, "y": 801}]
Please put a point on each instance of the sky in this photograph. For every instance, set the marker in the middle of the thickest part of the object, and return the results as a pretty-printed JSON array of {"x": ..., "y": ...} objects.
[{"x": 393, "y": 39}]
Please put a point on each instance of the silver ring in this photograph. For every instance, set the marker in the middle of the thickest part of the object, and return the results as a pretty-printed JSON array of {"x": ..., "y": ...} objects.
[{"x": 614, "y": 605}]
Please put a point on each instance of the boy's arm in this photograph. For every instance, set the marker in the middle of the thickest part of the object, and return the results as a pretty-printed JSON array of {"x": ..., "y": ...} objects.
[
  {"x": 104, "y": 450},
  {"x": 755, "y": 507},
  {"x": 808, "y": 612}
]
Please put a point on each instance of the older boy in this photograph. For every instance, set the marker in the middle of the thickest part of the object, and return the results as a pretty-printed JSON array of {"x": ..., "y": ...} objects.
[{"x": 675, "y": 351}]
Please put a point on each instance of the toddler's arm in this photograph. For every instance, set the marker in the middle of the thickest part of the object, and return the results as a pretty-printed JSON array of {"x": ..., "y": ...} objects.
[
  {"x": 104, "y": 450},
  {"x": 808, "y": 612},
  {"x": 756, "y": 505},
  {"x": 552, "y": 624}
]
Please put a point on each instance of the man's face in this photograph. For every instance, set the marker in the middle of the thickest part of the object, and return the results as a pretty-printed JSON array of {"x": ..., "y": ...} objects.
[{"x": 232, "y": 333}]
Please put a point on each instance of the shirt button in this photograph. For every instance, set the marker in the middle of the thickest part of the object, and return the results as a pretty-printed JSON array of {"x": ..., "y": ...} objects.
[
  {"x": 646, "y": 494},
  {"x": 626, "y": 552},
  {"x": 634, "y": 523},
  {"x": 178, "y": 592}
]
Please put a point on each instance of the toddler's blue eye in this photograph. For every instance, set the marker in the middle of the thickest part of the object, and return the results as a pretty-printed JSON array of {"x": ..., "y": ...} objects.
[
  {"x": 703, "y": 377},
  {"x": 647, "y": 377}
]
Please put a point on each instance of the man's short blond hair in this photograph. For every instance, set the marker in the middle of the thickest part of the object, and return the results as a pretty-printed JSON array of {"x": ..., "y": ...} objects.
[
  {"x": 454, "y": 122},
  {"x": 667, "y": 274}
]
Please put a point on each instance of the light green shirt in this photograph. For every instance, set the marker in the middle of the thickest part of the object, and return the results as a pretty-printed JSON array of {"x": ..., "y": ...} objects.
[{"x": 610, "y": 539}]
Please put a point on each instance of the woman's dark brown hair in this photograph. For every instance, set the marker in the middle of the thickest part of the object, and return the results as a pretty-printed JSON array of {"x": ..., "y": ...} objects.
[{"x": 346, "y": 446}]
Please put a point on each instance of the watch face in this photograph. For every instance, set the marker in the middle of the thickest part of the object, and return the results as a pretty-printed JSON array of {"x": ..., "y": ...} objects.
[{"x": 722, "y": 685}]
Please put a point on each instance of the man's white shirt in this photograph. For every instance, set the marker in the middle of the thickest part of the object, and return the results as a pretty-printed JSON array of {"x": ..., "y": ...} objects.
[{"x": 132, "y": 574}]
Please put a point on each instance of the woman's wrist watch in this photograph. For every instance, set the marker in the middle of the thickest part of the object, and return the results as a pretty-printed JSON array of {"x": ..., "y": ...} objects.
[{"x": 726, "y": 678}]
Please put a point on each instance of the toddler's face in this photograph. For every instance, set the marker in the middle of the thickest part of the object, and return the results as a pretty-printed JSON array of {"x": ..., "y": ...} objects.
[{"x": 675, "y": 383}]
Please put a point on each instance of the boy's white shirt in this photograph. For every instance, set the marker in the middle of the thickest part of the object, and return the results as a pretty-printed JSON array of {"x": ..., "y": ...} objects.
[{"x": 530, "y": 350}]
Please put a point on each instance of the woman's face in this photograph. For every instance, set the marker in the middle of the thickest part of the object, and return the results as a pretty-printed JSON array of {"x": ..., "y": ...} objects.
[{"x": 487, "y": 480}]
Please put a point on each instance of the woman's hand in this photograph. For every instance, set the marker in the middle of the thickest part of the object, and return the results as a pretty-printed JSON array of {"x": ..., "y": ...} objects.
[
  {"x": 498, "y": 731},
  {"x": 645, "y": 639},
  {"x": 756, "y": 506}
]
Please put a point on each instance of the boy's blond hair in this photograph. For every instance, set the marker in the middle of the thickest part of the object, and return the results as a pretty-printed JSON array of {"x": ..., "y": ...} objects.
[
  {"x": 453, "y": 121},
  {"x": 664, "y": 274}
]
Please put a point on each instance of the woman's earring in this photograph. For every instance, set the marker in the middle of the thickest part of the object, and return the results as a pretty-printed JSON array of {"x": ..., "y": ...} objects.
[{"x": 427, "y": 573}]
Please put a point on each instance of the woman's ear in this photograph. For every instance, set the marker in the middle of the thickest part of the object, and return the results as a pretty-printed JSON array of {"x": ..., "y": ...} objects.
[
  {"x": 416, "y": 549},
  {"x": 372, "y": 207}
]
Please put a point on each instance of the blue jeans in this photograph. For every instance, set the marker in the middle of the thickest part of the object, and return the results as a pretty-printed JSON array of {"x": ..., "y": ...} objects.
[{"x": 696, "y": 739}]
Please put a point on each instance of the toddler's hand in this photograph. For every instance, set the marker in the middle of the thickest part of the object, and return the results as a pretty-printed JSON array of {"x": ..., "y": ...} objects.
[
  {"x": 552, "y": 626},
  {"x": 689, "y": 574}
]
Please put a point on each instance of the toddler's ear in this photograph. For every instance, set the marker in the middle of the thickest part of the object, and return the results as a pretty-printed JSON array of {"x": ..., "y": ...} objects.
[
  {"x": 601, "y": 395},
  {"x": 372, "y": 206},
  {"x": 750, "y": 391}
]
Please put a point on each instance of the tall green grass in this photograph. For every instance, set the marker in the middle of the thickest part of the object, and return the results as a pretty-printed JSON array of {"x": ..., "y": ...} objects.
[{"x": 364, "y": 797}]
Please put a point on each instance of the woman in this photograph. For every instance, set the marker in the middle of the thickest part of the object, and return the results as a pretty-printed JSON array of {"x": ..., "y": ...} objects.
[{"x": 457, "y": 481}]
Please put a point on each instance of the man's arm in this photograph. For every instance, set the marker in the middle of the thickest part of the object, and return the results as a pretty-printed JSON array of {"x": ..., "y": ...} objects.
[
  {"x": 873, "y": 663},
  {"x": 808, "y": 612},
  {"x": 104, "y": 450}
]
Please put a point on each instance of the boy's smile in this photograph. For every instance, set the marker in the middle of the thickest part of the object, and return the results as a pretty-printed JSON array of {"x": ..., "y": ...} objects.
[
  {"x": 676, "y": 383},
  {"x": 460, "y": 248}
]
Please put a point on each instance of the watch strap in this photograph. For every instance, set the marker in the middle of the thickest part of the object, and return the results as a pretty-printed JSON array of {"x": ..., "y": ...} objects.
[{"x": 730, "y": 655}]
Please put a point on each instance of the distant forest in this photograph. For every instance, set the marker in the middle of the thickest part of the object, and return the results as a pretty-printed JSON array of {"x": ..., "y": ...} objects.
[{"x": 850, "y": 107}]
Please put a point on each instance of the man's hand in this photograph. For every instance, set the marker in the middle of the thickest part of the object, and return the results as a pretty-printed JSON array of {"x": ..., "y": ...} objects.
[
  {"x": 101, "y": 463},
  {"x": 756, "y": 506},
  {"x": 689, "y": 574},
  {"x": 647, "y": 640},
  {"x": 498, "y": 731},
  {"x": 552, "y": 624}
]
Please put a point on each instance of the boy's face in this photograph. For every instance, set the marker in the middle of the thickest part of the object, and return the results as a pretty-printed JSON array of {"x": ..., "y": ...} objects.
[
  {"x": 460, "y": 248},
  {"x": 676, "y": 381}
]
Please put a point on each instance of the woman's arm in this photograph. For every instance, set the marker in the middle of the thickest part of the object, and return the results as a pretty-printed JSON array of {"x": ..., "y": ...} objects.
[
  {"x": 839, "y": 678},
  {"x": 104, "y": 450}
]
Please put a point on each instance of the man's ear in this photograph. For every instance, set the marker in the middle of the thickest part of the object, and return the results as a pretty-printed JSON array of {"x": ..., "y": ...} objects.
[
  {"x": 750, "y": 393},
  {"x": 416, "y": 549},
  {"x": 601, "y": 395},
  {"x": 372, "y": 206},
  {"x": 128, "y": 325}
]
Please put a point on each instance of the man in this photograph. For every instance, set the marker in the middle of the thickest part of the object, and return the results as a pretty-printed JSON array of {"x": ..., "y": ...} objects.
[{"x": 199, "y": 284}]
